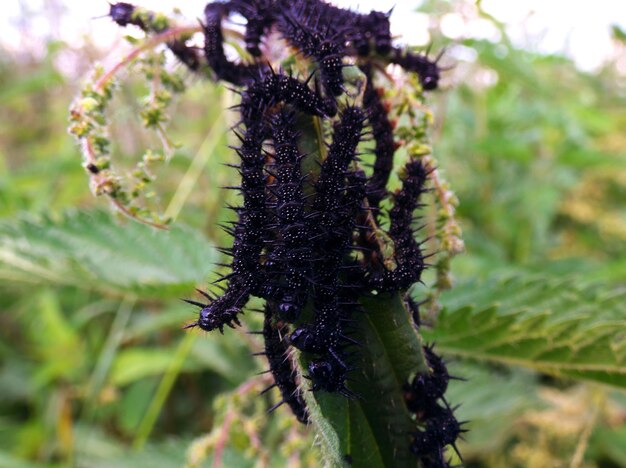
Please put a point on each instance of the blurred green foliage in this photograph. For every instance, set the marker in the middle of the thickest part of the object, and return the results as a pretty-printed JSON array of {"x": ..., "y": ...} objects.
[{"x": 96, "y": 372}]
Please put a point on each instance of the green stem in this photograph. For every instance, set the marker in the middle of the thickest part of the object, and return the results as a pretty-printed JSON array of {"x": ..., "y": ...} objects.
[
  {"x": 109, "y": 351},
  {"x": 105, "y": 360},
  {"x": 163, "y": 391}
]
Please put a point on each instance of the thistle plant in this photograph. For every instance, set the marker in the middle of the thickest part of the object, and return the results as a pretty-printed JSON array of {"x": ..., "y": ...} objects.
[{"x": 320, "y": 236}]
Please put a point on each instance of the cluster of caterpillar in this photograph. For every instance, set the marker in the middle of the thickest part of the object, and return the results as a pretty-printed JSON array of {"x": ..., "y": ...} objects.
[
  {"x": 325, "y": 33},
  {"x": 422, "y": 396},
  {"x": 303, "y": 242}
]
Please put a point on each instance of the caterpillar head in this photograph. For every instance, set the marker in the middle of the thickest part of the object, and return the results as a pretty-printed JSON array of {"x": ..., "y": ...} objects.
[
  {"x": 329, "y": 375},
  {"x": 430, "y": 77},
  {"x": 288, "y": 309},
  {"x": 304, "y": 339},
  {"x": 121, "y": 13}
]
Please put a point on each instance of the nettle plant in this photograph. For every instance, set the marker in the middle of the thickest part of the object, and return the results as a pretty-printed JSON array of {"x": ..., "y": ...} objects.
[{"x": 328, "y": 110}]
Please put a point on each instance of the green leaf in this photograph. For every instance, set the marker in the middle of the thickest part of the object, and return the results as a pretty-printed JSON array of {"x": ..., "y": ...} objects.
[
  {"x": 373, "y": 429},
  {"x": 490, "y": 400},
  {"x": 136, "y": 363},
  {"x": 95, "y": 448},
  {"x": 91, "y": 250},
  {"x": 60, "y": 351},
  {"x": 554, "y": 325},
  {"x": 227, "y": 358}
]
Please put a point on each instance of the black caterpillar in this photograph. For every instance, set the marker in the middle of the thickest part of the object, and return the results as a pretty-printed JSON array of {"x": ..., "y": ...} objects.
[
  {"x": 291, "y": 252},
  {"x": 407, "y": 251},
  {"x": 125, "y": 14},
  {"x": 260, "y": 17},
  {"x": 331, "y": 224},
  {"x": 318, "y": 30},
  {"x": 424, "y": 396},
  {"x": 301, "y": 24},
  {"x": 277, "y": 353},
  {"x": 382, "y": 131},
  {"x": 313, "y": 257}
]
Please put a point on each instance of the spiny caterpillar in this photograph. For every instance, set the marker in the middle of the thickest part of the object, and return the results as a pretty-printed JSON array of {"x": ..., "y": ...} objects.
[
  {"x": 302, "y": 241},
  {"x": 277, "y": 353},
  {"x": 440, "y": 428},
  {"x": 290, "y": 252},
  {"x": 382, "y": 130}
]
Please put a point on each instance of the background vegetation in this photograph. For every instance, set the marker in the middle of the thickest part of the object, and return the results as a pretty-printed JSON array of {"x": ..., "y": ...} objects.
[{"x": 95, "y": 370}]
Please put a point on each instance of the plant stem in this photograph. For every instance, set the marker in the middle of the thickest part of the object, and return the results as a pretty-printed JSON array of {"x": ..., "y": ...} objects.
[{"x": 162, "y": 392}]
